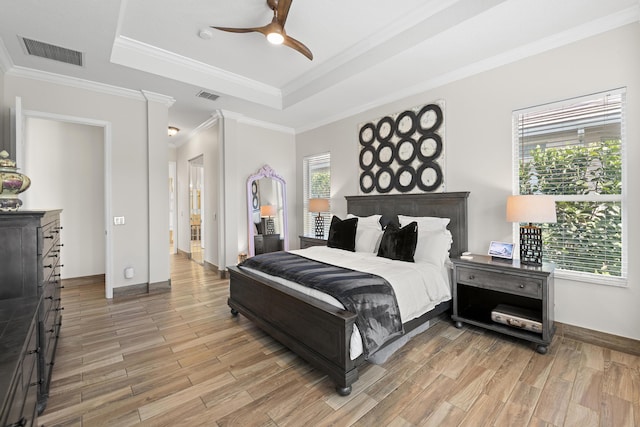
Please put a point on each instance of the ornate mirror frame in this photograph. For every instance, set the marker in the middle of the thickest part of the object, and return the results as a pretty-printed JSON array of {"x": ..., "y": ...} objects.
[{"x": 266, "y": 172}]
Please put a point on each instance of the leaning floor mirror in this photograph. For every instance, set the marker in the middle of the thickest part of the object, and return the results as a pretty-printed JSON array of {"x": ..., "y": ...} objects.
[{"x": 266, "y": 212}]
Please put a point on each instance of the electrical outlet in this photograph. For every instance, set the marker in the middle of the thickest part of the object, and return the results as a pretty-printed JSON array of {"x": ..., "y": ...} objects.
[{"x": 118, "y": 220}]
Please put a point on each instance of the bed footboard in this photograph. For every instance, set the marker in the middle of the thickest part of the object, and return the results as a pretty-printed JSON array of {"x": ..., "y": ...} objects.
[{"x": 316, "y": 331}]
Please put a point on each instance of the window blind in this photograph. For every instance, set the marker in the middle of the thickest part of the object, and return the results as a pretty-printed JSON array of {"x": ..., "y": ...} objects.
[
  {"x": 316, "y": 184},
  {"x": 574, "y": 150}
]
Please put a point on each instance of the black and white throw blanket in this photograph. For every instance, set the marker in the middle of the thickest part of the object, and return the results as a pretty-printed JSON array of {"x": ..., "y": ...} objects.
[{"x": 368, "y": 296}]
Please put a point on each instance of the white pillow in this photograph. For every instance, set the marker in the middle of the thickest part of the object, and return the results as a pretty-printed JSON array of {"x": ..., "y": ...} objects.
[
  {"x": 425, "y": 222},
  {"x": 368, "y": 233},
  {"x": 434, "y": 239},
  {"x": 433, "y": 246}
]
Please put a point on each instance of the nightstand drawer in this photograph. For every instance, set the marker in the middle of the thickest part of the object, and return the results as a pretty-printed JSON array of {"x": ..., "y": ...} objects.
[
  {"x": 510, "y": 283},
  {"x": 307, "y": 242}
]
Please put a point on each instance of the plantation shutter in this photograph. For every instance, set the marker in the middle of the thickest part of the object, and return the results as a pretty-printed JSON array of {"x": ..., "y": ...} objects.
[
  {"x": 574, "y": 151},
  {"x": 316, "y": 184}
]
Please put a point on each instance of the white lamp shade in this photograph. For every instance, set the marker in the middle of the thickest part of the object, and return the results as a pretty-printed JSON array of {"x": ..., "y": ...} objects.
[
  {"x": 318, "y": 205},
  {"x": 267, "y": 211},
  {"x": 531, "y": 208}
]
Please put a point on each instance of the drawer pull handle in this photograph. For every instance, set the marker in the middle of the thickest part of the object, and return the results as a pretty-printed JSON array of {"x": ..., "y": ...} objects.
[
  {"x": 61, "y": 308},
  {"x": 48, "y": 237},
  {"x": 48, "y": 266},
  {"x": 52, "y": 330},
  {"x": 521, "y": 286},
  {"x": 49, "y": 297},
  {"x": 471, "y": 277},
  {"x": 32, "y": 351}
]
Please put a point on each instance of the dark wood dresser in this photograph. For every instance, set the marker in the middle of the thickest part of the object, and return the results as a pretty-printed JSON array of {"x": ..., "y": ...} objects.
[
  {"x": 30, "y": 251},
  {"x": 19, "y": 361}
]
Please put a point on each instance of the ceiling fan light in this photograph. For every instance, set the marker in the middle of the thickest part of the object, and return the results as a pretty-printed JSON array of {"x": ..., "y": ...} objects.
[{"x": 275, "y": 38}]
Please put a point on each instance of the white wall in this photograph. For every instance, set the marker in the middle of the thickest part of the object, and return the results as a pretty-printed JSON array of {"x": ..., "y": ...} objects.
[
  {"x": 4, "y": 116},
  {"x": 157, "y": 191},
  {"x": 65, "y": 162},
  {"x": 207, "y": 144},
  {"x": 479, "y": 150},
  {"x": 132, "y": 147},
  {"x": 254, "y": 147}
]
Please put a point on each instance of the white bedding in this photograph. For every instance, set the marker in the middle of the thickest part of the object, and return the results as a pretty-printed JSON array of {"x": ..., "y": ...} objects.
[{"x": 418, "y": 286}]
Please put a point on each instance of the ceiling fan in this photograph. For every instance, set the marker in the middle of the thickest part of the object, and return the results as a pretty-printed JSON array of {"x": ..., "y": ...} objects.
[{"x": 274, "y": 31}]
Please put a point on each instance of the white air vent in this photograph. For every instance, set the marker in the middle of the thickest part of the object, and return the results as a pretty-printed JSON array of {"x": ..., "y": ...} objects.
[
  {"x": 207, "y": 95},
  {"x": 49, "y": 51}
]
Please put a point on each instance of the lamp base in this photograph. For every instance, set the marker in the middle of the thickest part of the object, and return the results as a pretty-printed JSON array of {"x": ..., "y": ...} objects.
[
  {"x": 530, "y": 245},
  {"x": 319, "y": 227},
  {"x": 271, "y": 229}
]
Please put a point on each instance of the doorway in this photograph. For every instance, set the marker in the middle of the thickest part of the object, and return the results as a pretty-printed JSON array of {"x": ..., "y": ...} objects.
[
  {"x": 75, "y": 149},
  {"x": 196, "y": 208},
  {"x": 173, "y": 208}
]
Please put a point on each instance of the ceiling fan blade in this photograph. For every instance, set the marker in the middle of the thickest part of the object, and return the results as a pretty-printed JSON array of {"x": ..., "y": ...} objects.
[
  {"x": 299, "y": 46},
  {"x": 242, "y": 30},
  {"x": 283, "y": 11}
]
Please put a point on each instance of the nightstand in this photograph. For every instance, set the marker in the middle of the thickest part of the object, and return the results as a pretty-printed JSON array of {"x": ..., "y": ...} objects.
[
  {"x": 481, "y": 284},
  {"x": 308, "y": 241},
  {"x": 264, "y": 243}
]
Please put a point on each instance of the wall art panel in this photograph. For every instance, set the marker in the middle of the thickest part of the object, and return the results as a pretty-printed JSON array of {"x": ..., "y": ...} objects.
[{"x": 403, "y": 152}]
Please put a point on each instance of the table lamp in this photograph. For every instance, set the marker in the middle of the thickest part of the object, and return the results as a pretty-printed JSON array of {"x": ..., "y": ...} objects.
[
  {"x": 319, "y": 205},
  {"x": 268, "y": 212},
  {"x": 531, "y": 209}
]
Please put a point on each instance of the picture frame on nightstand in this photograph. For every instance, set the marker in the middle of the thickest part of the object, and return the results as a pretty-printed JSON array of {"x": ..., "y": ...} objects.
[{"x": 502, "y": 250}]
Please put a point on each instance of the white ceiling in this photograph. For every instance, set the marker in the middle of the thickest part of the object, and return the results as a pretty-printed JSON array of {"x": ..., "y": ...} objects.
[{"x": 366, "y": 52}]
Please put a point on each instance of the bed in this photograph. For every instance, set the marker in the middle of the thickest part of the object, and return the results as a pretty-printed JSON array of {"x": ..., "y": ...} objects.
[{"x": 317, "y": 331}]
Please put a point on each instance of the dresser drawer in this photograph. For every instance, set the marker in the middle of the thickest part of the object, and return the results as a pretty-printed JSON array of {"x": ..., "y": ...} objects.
[{"x": 510, "y": 283}]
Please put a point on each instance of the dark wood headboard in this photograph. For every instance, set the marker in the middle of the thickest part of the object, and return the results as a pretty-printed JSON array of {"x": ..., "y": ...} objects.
[{"x": 444, "y": 205}]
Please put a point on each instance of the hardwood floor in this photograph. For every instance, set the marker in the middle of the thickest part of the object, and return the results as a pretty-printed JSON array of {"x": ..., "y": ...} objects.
[{"x": 180, "y": 358}]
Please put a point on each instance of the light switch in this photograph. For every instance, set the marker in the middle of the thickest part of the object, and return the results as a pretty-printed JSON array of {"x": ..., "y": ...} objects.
[{"x": 118, "y": 220}]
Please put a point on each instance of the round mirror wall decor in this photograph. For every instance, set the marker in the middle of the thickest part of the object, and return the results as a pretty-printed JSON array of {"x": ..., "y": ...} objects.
[{"x": 403, "y": 152}]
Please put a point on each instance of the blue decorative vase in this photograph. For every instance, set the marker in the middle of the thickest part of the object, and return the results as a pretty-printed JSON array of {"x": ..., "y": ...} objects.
[{"x": 13, "y": 183}]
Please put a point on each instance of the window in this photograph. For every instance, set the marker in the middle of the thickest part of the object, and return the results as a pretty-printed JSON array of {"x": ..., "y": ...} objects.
[
  {"x": 574, "y": 150},
  {"x": 317, "y": 184}
]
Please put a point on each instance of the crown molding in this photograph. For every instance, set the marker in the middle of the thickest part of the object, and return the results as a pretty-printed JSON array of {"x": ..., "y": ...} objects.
[
  {"x": 211, "y": 121},
  {"x": 157, "y": 97},
  {"x": 241, "y": 118},
  {"x": 139, "y": 95},
  {"x": 590, "y": 29},
  {"x": 29, "y": 73},
  {"x": 6, "y": 63},
  {"x": 426, "y": 21},
  {"x": 142, "y": 56}
]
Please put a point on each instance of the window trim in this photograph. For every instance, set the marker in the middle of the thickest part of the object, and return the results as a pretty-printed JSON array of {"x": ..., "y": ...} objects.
[
  {"x": 592, "y": 278},
  {"x": 308, "y": 228}
]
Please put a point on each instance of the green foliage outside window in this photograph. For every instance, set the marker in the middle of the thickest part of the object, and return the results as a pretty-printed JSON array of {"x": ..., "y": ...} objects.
[
  {"x": 588, "y": 234},
  {"x": 321, "y": 183}
]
